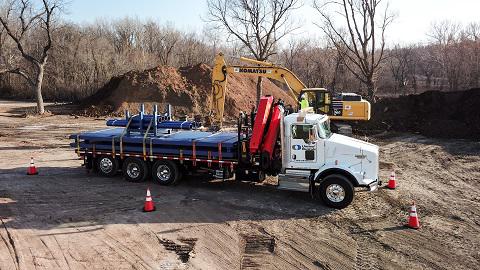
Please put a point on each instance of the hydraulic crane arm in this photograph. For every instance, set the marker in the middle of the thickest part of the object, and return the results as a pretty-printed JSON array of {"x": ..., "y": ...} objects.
[{"x": 264, "y": 69}]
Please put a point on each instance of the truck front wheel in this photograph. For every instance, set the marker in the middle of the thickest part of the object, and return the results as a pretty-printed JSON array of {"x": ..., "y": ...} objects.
[
  {"x": 165, "y": 172},
  {"x": 106, "y": 165},
  {"x": 336, "y": 191},
  {"x": 135, "y": 170}
]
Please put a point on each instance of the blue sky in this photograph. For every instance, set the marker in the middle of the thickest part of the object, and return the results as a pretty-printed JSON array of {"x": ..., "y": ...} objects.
[
  {"x": 184, "y": 14},
  {"x": 413, "y": 17}
]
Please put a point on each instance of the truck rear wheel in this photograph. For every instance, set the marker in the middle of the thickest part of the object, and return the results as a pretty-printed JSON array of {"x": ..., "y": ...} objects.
[
  {"x": 106, "y": 166},
  {"x": 336, "y": 191},
  {"x": 252, "y": 176},
  {"x": 165, "y": 172},
  {"x": 135, "y": 170}
]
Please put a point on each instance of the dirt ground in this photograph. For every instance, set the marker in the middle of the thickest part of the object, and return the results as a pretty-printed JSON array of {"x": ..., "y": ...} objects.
[{"x": 65, "y": 218}]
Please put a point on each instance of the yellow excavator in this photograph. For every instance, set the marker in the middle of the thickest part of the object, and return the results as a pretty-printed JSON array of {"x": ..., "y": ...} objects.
[{"x": 342, "y": 106}]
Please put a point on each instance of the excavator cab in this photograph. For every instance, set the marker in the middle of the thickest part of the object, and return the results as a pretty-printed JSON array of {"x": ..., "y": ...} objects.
[
  {"x": 318, "y": 99},
  {"x": 341, "y": 106}
]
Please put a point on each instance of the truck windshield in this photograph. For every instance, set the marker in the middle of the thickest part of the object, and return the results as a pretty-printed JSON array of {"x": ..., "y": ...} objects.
[{"x": 324, "y": 129}]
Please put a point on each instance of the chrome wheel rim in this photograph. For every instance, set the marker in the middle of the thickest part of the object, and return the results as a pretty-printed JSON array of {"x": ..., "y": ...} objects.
[
  {"x": 133, "y": 171},
  {"x": 163, "y": 173},
  {"x": 335, "y": 193},
  {"x": 106, "y": 165}
]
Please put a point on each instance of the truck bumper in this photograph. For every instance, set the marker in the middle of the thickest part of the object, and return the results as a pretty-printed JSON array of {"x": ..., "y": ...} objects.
[{"x": 373, "y": 185}]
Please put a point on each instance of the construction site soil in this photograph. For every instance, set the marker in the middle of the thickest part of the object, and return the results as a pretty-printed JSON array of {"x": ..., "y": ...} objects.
[
  {"x": 188, "y": 89},
  {"x": 66, "y": 218},
  {"x": 432, "y": 113}
]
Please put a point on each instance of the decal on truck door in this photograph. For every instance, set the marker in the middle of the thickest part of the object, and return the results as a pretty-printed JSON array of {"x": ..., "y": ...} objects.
[{"x": 303, "y": 147}]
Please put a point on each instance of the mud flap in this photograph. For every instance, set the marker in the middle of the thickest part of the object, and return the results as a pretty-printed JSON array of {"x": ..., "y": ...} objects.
[
  {"x": 311, "y": 188},
  {"x": 88, "y": 162}
]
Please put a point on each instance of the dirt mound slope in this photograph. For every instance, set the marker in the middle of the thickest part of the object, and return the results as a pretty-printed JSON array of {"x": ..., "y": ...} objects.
[
  {"x": 187, "y": 89},
  {"x": 433, "y": 113}
]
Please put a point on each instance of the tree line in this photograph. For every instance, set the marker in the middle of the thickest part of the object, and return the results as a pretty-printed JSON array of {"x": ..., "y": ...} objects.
[
  {"x": 84, "y": 57},
  {"x": 449, "y": 61},
  {"x": 67, "y": 61}
]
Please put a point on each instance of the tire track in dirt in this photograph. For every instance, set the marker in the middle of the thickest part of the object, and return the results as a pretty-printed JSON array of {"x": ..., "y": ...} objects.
[
  {"x": 11, "y": 243},
  {"x": 60, "y": 248},
  {"x": 8, "y": 245},
  {"x": 302, "y": 236},
  {"x": 50, "y": 252},
  {"x": 126, "y": 252},
  {"x": 257, "y": 250},
  {"x": 182, "y": 250},
  {"x": 305, "y": 244},
  {"x": 366, "y": 248}
]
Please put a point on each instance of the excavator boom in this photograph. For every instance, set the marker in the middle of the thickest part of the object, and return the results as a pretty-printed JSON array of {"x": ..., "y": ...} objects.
[
  {"x": 265, "y": 69},
  {"x": 342, "y": 107}
]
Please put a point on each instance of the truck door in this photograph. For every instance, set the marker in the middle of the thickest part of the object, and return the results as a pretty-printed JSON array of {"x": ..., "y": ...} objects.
[{"x": 303, "y": 144}]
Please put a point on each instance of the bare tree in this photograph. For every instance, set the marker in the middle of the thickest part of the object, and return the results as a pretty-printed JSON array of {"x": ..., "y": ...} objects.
[
  {"x": 312, "y": 62},
  {"x": 125, "y": 34},
  {"x": 257, "y": 24},
  {"x": 446, "y": 36},
  {"x": 400, "y": 62},
  {"x": 360, "y": 39},
  {"x": 473, "y": 34},
  {"x": 293, "y": 51},
  {"x": 31, "y": 21}
]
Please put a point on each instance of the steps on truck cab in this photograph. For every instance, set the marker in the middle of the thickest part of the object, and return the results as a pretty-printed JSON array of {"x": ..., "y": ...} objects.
[{"x": 297, "y": 180}]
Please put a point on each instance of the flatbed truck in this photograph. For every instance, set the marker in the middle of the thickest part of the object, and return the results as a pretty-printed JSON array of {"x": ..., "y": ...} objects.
[{"x": 299, "y": 148}]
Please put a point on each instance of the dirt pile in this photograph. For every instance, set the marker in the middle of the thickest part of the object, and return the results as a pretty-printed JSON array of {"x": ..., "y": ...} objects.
[
  {"x": 187, "y": 89},
  {"x": 433, "y": 113}
]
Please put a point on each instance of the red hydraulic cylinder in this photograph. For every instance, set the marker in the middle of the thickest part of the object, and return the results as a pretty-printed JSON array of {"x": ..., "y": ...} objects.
[
  {"x": 263, "y": 112},
  {"x": 273, "y": 128}
]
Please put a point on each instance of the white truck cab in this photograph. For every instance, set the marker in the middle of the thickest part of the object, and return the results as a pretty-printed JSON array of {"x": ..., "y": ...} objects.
[{"x": 323, "y": 163}]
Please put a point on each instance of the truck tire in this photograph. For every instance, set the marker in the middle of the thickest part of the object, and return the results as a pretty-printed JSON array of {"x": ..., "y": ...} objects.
[
  {"x": 336, "y": 191},
  {"x": 135, "y": 170},
  {"x": 260, "y": 176},
  {"x": 166, "y": 172},
  {"x": 251, "y": 176},
  {"x": 106, "y": 166}
]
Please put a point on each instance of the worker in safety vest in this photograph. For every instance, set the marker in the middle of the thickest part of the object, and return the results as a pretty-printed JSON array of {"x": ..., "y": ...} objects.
[{"x": 304, "y": 102}]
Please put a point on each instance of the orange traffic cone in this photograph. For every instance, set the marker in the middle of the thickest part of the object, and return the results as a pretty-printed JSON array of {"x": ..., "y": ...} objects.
[
  {"x": 392, "y": 183},
  {"x": 148, "y": 206},
  {"x": 32, "y": 170},
  {"x": 413, "y": 221}
]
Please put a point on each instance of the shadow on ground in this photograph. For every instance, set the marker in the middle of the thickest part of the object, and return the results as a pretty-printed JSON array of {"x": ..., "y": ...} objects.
[{"x": 71, "y": 197}]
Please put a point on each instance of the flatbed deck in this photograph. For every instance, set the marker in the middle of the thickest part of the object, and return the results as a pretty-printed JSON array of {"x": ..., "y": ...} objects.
[{"x": 178, "y": 143}]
